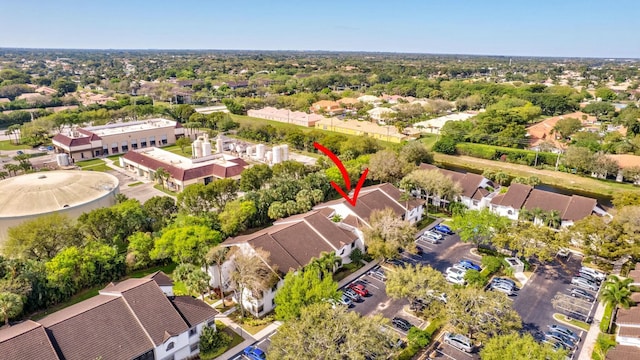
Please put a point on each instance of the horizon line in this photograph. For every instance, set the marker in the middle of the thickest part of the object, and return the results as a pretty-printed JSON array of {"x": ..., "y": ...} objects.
[{"x": 322, "y": 51}]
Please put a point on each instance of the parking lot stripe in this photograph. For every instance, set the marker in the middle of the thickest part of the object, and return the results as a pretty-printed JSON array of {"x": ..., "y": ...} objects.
[{"x": 366, "y": 281}]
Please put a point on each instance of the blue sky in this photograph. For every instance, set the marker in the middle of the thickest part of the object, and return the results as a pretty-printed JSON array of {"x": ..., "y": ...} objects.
[{"x": 496, "y": 27}]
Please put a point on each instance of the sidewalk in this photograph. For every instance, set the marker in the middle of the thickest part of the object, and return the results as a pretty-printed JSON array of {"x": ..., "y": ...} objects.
[
  {"x": 357, "y": 274},
  {"x": 130, "y": 175}
]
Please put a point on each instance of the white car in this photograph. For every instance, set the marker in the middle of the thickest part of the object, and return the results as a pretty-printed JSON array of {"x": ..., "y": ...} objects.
[
  {"x": 584, "y": 283},
  {"x": 458, "y": 341},
  {"x": 431, "y": 237},
  {"x": 598, "y": 275},
  {"x": 503, "y": 287},
  {"x": 456, "y": 279},
  {"x": 456, "y": 270}
]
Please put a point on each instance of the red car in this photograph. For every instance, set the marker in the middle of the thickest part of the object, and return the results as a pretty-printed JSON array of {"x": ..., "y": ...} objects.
[{"x": 359, "y": 289}]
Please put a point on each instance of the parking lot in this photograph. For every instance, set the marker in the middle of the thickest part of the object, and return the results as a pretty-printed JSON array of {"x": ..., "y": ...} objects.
[{"x": 533, "y": 301}]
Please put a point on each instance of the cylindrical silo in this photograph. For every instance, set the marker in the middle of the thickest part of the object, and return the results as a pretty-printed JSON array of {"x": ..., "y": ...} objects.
[
  {"x": 196, "y": 149},
  {"x": 206, "y": 148},
  {"x": 268, "y": 157},
  {"x": 284, "y": 150},
  {"x": 219, "y": 144},
  {"x": 62, "y": 159},
  {"x": 260, "y": 151},
  {"x": 275, "y": 152},
  {"x": 249, "y": 150}
]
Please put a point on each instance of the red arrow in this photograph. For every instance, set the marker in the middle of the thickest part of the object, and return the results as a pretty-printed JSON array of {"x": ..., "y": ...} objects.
[{"x": 345, "y": 176}]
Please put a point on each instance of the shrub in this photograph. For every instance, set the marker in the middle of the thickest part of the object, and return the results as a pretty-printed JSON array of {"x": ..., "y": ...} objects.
[
  {"x": 418, "y": 337},
  {"x": 606, "y": 318},
  {"x": 212, "y": 340},
  {"x": 356, "y": 255},
  {"x": 445, "y": 145},
  {"x": 475, "y": 278},
  {"x": 491, "y": 264}
]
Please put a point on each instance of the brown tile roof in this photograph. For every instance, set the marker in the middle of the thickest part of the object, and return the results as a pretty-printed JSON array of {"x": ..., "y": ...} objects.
[
  {"x": 192, "y": 310},
  {"x": 547, "y": 201},
  {"x": 621, "y": 352},
  {"x": 26, "y": 341},
  {"x": 90, "y": 329},
  {"x": 579, "y": 207},
  {"x": 635, "y": 297},
  {"x": 514, "y": 197},
  {"x": 160, "y": 278},
  {"x": 468, "y": 181},
  {"x": 626, "y": 160},
  {"x": 292, "y": 242},
  {"x": 635, "y": 275},
  {"x": 629, "y": 331},
  {"x": 150, "y": 306},
  {"x": 630, "y": 316}
]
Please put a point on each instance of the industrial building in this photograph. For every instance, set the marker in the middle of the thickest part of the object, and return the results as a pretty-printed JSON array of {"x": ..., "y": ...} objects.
[
  {"x": 204, "y": 167},
  {"x": 96, "y": 141}
]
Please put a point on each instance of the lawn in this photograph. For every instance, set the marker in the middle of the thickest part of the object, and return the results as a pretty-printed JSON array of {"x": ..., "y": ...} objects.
[
  {"x": 558, "y": 179},
  {"x": 346, "y": 270},
  {"x": 91, "y": 162},
  {"x": 250, "y": 324},
  {"x": 135, "y": 184},
  {"x": 165, "y": 190},
  {"x": 235, "y": 340},
  {"x": 576, "y": 323},
  {"x": 99, "y": 167},
  {"x": 167, "y": 269},
  {"x": 428, "y": 140},
  {"x": 8, "y": 145}
]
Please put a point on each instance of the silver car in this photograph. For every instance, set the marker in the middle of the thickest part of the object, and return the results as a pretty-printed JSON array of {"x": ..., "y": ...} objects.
[
  {"x": 459, "y": 341},
  {"x": 431, "y": 237},
  {"x": 584, "y": 283},
  {"x": 378, "y": 274},
  {"x": 503, "y": 287}
]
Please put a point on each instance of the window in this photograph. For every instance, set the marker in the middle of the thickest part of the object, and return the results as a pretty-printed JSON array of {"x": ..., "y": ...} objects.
[
  {"x": 510, "y": 212},
  {"x": 143, "y": 142},
  {"x": 152, "y": 141},
  {"x": 273, "y": 302},
  {"x": 353, "y": 244},
  {"x": 193, "y": 331},
  {"x": 211, "y": 323},
  {"x": 475, "y": 202},
  {"x": 134, "y": 146},
  {"x": 170, "y": 346},
  {"x": 163, "y": 139},
  {"x": 82, "y": 155},
  {"x": 194, "y": 347}
]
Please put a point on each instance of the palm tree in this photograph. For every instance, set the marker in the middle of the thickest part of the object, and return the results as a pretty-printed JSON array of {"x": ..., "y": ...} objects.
[
  {"x": 3, "y": 174},
  {"x": 217, "y": 255},
  {"x": 553, "y": 219},
  {"x": 537, "y": 214},
  {"x": 501, "y": 178},
  {"x": 327, "y": 263},
  {"x": 12, "y": 168},
  {"x": 617, "y": 292},
  {"x": 526, "y": 215},
  {"x": 162, "y": 175}
]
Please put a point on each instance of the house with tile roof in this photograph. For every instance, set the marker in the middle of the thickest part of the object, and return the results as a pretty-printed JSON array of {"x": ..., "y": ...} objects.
[
  {"x": 96, "y": 141},
  {"x": 326, "y": 106},
  {"x": 291, "y": 244},
  {"x": 182, "y": 171},
  {"x": 570, "y": 208},
  {"x": 477, "y": 191},
  {"x": 627, "y": 328},
  {"x": 376, "y": 197},
  {"x": 132, "y": 319},
  {"x": 294, "y": 241}
]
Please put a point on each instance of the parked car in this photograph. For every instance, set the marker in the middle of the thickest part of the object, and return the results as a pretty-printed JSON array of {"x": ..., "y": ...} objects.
[
  {"x": 401, "y": 323},
  {"x": 359, "y": 289},
  {"x": 396, "y": 262},
  {"x": 254, "y": 353},
  {"x": 556, "y": 345},
  {"x": 503, "y": 287},
  {"x": 344, "y": 300},
  {"x": 49, "y": 148},
  {"x": 593, "y": 272},
  {"x": 431, "y": 237},
  {"x": 43, "y": 148},
  {"x": 506, "y": 281},
  {"x": 584, "y": 283},
  {"x": 352, "y": 295},
  {"x": 378, "y": 274},
  {"x": 443, "y": 229},
  {"x": 456, "y": 279},
  {"x": 417, "y": 305},
  {"x": 588, "y": 277},
  {"x": 459, "y": 341},
  {"x": 455, "y": 270},
  {"x": 561, "y": 338},
  {"x": 583, "y": 294},
  {"x": 467, "y": 264},
  {"x": 20, "y": 152},
  {"x": 565, "y": 331}
]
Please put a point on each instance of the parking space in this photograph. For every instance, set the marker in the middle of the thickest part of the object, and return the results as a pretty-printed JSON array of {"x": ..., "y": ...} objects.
[{"x": 551, "y": 283}]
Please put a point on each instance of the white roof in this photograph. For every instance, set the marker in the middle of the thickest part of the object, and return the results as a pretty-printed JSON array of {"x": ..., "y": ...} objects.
[
  {"x": 132, "y": 126},
  {"x": 440, "y": 121},
  {"x": 48, "y": 191},
  {"x": 182, "y": 162}
]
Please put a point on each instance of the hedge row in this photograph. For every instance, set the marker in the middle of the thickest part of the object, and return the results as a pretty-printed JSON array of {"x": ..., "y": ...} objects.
[{"x": 516, "y": 156}]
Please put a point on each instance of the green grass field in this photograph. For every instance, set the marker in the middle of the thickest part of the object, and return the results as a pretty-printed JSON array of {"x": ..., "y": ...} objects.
[{"x": 7, "y": 145}]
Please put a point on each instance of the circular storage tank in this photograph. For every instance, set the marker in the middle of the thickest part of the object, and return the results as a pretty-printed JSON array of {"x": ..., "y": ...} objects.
[
  {"x": 268, "y": 156},
  {"x": 275, "y": 153},
  {"x": 284, "y": 149},
  {"x": 260, "y": 151},
  {"x": 62, "y": 159},
  {"x": 196, "y": 148},
  {"x": 68, "y": 192},
  {"x": 206, "y": 148}
]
